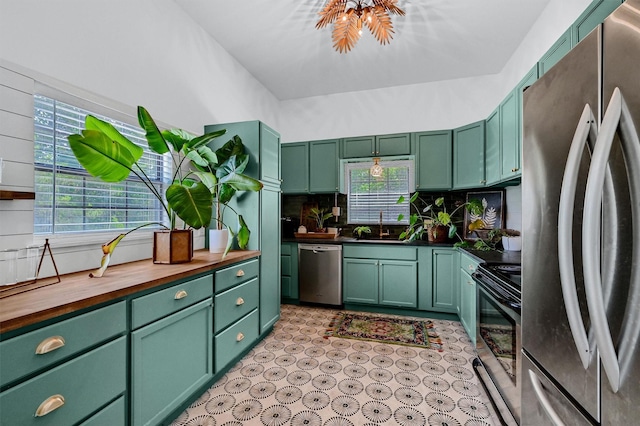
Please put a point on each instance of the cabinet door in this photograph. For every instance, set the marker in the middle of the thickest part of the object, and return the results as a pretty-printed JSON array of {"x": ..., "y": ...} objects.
[
  {"x": 398, "y": 144},
  {"x": 359, "y": 147},
  {"x": 323, "y": 166},
  {"x": 468, "y": 304},
  {"x": 468, "y": 156},
  {"x": 492, "y": 148},
  {"x": 170, "y": 359},
  {"x": 433, "y": 160},
  {"x": 593, "y": 15},
  {"x": 524, "y": 84},
  {"x": 399, "y": 283},
  {"x": 269, "y": 258},
  {"x": 269, "y": 155},
  {"x": 445, "y": 267},
  {"x": 509, "y": 143},
  {"x": 295, "y": 168},
  {"x": 360, "y": 280},
  {"x": 289, "y": 271},
  {"x": 560, "y": 48}
]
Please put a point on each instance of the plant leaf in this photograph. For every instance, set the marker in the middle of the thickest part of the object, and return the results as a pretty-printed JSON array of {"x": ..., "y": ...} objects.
[
  {"x": 400, "y": 217},
  {"x": 209, "y": 179},
  {"x": 243, "y": 233},
  {"x": 233, "y": 147},
  {"x": 414, "y": 197},
  {"x": 228, "y": 173},
  {"x": 197, "y": 159},
  {"x": 204, "y": 139},
  {"x": 93, "y": 123},
  {"x": 225, "y": 193},
  {"x": 439, "y": 201},
  {"x": 452, "y": 230},
  {"x": 192, "y": 204},
  {"x": 154, "y": 137},
  {"x": 229, "y": 242},
  {"x": 101, "y": 156},
  {"x": 444, "y": 218},
  {"x": 400, "y": 200}
]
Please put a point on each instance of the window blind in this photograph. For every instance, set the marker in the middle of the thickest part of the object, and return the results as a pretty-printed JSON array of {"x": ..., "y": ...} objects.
[
  {"x": 368, "y": 196},
  {"x": 68, "y": 199}
]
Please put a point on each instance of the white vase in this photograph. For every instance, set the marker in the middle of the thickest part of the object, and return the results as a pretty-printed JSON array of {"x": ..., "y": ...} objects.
[
  {"x": 218, "y": 239},
  {"x": 512, "y": 243}
]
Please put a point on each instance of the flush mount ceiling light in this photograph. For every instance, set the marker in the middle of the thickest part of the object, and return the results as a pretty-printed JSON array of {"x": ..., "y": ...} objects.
[
  {"x": 350, "y": 15},
  {"x": 376, "y": 169}
]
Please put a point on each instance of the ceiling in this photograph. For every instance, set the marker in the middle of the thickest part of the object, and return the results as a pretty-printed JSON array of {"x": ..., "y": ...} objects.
[{"x": 277, "y": 42}]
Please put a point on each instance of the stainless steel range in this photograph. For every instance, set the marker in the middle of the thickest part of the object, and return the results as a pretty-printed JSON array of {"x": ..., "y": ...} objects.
[{"x": 498, "y": 339}]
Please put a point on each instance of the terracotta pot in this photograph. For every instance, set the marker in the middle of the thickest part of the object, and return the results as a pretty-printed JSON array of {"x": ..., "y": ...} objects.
[
  {"x": 437, "y": 234},
  {"x": 175, "y": 246}
]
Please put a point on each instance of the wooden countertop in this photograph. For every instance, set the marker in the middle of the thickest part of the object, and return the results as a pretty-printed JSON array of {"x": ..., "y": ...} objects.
[{"x": 77, "y": 291}]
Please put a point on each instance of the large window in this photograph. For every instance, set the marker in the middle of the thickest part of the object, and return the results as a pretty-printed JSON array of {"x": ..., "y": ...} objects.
[
  {"x": 368, "y": 197},
  {"x": 68, "y": 199}
]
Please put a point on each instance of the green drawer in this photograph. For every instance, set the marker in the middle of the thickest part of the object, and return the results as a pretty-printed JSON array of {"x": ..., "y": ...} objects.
[
  {"x": 467, "y": 263},
  {"x": 285, "y": 264},
  {"x": 86, "y": 384},
  {"x": 156, "y": 305},
  {"x": 379, "y": 252},
  {"x": 231, "y": 342},
  {"x": 113, "y": 414},
  {"x": 233, "y": 304},
  {"x": 236, "y": 274},
  {"x": 61, "y": 340}
]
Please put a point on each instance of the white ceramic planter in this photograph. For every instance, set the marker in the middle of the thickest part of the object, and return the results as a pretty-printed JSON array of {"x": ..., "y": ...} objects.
[
  {"x": 512, "y": 243},
  {"x": 218, "y": 240}
]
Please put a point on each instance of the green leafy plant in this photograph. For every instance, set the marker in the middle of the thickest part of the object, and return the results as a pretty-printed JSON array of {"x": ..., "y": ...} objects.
[
  {"x": 319, "y": 216},
  {"x": 214, "y": 178},
  {"x": 434, "y": 215},
  {"x": 359, "y": 230}
]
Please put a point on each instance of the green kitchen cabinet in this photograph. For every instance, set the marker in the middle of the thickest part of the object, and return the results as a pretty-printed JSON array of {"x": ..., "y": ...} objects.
[
  {"x": 434, "y": 162},
  {"x": 509, "y": 137},
  {"x": 514, "y": 153},
  {"x": 170, "y": 359},
  {"x": 377, "y": 146},
  {"x": 398, "y": 283},
  {"x": 468, "y": 156},
  {"x": 593, "y": 15},
  {"x": 561, "y": 47},
  {"x": 492, "y": 148},
  {"x": 289, "y": 272},
  {"x": 360, "y": 281},
  {"x": 269, "y": 259},
  {"x": 295, "y": 168},
  {"x": 438, "y": 270},
  {"x": 324, "y": 166},
  {"x": 468, "y": 304}
]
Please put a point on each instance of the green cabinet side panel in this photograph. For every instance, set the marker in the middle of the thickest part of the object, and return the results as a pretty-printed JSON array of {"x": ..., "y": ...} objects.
[
  {"x": 360, "y": 281},
  {"x": 425, "y": 280},
  {"x": 445, "y": 264},
  {"x": 593, "y": 15},
  {"x": 467, "y": 310},
  {"x": 523, "y": 85},
  {"x": 269, "y": 258},
  {"x": 295, "y": 168},
  {"x": 397, "y": 144},
  {"x": 364, "y": 146},
  {"x": 561, "y": 47},
  {"x": 492, "y": 148},
  {"x": 434, "y": 160},
  {"x": 398, "y": 283},
  {"x": 170, "y": 359},
  {"x": 324, "y": 166},
  {"x": 468, "y": 156},
  {"x": 510, "y": 161},
  {"x": 289, "y": 271},
  {"x": 269, "y": 155}
]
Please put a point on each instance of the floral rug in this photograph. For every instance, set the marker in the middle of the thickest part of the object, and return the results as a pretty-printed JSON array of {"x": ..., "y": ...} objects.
[{"x": 400, "y": 331}]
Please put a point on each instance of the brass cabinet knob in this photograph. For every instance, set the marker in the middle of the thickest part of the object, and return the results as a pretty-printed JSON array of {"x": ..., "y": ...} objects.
[
  {"x": 50, "y": 404},
  {"x": 240, "y": 273},
  {"x": 483, "y": 182},
  {"x": 180, "y": 295},
  {"x": 239, "y": 337},
  {"x": 239, "y": 301},
  {"x": 50, "y": 344}
]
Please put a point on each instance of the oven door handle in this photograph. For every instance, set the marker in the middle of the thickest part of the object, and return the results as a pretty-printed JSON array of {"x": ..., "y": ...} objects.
[{"x": 499, "y": 298}]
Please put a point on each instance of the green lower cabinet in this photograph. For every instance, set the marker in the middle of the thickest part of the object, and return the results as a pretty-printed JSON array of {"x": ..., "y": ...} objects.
[
  {"x": 360, "y": 281},
  {"x": 113, "y": 414},
  {"x": 289, "y": 271},
  {"x": 438, "y": 270},
  {"x": 398, "y": 283},
  {"x": 467, "y": 305},
  {"x": 234, "y": 340},
  {"x": 170, "y": 359}
]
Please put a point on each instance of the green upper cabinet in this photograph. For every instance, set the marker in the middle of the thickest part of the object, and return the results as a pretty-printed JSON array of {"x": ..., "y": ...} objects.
[
  {"x": 324, "y": 165},
  {"x": 295, "y": 168},
  {"x": 492, "y": 148},
  {"x": 560, "y": 48},
  {"x": 526, "y": 81},
  {"x": 468, "y": 156},
  {"x": 434, "y": 162},
  {"x": 509, "y": 140},
  {"x": 373, "y": 146},
  {"x": 269, "y": 155},
  {"x": 593, "y": 15}
]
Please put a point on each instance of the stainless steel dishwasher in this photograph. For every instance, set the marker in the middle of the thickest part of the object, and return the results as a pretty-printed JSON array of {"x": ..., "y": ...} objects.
[{"x": 320, "y": 273}]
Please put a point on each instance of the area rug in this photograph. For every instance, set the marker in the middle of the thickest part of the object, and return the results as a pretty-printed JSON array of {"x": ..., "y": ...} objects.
[{"x": 399, "y": 331}]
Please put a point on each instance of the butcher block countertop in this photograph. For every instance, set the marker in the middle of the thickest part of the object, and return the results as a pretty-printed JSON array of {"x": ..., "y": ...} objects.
[{"x": 77, "y": 291}]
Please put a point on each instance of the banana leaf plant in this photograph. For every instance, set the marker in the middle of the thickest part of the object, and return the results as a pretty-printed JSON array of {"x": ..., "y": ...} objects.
[{"x": 108, "y": 155}]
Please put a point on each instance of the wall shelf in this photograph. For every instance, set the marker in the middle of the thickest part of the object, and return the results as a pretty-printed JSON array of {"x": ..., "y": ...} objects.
[{"x": 17, "y": 195}]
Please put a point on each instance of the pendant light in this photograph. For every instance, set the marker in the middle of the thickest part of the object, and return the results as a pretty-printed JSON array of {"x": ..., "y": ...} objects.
[{"x": 376, "y": 169}]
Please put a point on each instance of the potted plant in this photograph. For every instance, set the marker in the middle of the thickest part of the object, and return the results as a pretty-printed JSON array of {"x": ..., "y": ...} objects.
[
  {"x": 359, "y": 230},
  {"x": 438, "y": 224},
  {"x": 510, "y": 238},
  {"x": 108, "y": 155},
  {"x": 319, "y": 216}
]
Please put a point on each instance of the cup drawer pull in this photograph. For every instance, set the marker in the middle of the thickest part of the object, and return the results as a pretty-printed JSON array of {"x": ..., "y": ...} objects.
[
  {"x": 239, "y": 337},
  {"x": 240, "y": 273},
  {"x": 50, "y": 344},
  {"x": 50, "y": 404},
  {"x": 180, "y": 295},
  {"x": 239, "y": 301}
]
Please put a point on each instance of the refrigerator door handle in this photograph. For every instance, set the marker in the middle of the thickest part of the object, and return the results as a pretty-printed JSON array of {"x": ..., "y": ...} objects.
[
  {"x": 617, "y": 114},
  {"x": 585, "y": 131},
  {"x": 543, "y": 400}
]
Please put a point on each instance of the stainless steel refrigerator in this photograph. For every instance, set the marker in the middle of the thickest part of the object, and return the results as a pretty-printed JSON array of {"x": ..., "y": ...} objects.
[{"x": 581, "y": 232}]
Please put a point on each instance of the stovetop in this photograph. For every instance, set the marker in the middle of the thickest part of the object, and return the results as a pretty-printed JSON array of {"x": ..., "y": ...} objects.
[{"x": 504, "y": 280}]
